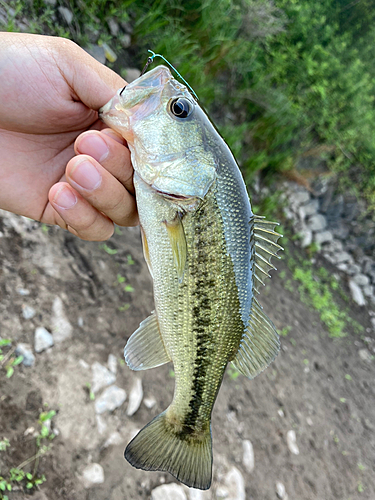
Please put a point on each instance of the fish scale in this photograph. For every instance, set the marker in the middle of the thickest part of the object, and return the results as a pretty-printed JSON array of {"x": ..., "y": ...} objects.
[{"x": 207, "y": 254}]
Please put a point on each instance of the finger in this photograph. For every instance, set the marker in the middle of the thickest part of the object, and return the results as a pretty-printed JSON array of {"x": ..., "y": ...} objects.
[
  {"x": 102, "y": 190},
  {"x": 109, "y": 149},
  {"x": 74, "y": 213}
]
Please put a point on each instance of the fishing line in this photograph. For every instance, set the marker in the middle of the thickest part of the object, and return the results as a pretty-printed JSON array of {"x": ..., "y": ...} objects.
[{"x": 150, "y": 60}]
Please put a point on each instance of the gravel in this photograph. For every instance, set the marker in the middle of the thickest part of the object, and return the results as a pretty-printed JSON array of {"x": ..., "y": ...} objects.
[
  {"x": 101, "y": 377},
  {"x": 25, "y": 351},
  {"x": 42, "y": 339},
  {"x": 112, "y": 398},
  {"x": 92, "y": 475}
]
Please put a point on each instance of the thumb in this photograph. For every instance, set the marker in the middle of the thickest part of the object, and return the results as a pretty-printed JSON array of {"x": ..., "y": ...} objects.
[{"x": 91, "y": 82}]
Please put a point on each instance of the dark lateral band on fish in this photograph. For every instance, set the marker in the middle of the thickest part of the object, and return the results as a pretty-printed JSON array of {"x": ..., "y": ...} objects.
[{"x": 207, "y": 254}]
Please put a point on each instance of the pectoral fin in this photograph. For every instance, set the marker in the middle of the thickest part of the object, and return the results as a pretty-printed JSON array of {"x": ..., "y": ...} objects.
[
  {"x": 259, "y": 345},
  {"x": 146, "y": 252},
  {"x": 145, "y": 348},
  {"x": 176, "y": 234}
]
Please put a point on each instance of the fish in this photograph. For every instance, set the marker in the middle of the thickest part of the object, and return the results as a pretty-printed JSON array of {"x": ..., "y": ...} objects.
[{"x": 207, "y": 253}]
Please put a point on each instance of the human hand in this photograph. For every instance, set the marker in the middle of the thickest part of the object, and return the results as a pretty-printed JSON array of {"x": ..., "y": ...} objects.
[{"x": 50, "y": 91}]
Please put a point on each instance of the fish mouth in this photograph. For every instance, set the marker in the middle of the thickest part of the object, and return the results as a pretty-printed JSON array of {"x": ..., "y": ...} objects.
[{"x": 175, "y": 197}]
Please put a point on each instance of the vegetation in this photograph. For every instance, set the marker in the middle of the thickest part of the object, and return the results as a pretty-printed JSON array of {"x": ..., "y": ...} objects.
[
  {"x": 283, "y": 79},
  {"x": 16, "y": 475}
]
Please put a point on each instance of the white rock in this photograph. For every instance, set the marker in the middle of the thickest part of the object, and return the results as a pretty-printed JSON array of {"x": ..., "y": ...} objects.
[
  {"x": 170, "y": 491},
  {"x": 135, "y": 397},
  {"x": 323, "y": 237},
  {"x": 151, "y": 401},
  {"x": 83, "y": 363},
  {"x": 112, "y": 363},
  {"x": 317, "y": 222},
  {"x": 112, "y": 398},
  {"x": 298, "y": 198},
  {"x": 102, "y": 426},
  {"x": 114, "y": 439},
  {"x": 357, "y": 294},
  {"x": 61, "y": 328},
  {"x": 373, "y": 323},
  {"x": 365, "y": 355},
  {"x": 306, "y": 238},
  {"x": 235, "y": 484},
  {"x": 25, "y": 351},
  {"x": 113, "y": 27},
  {"x": 66, "y": 14},
  {"x": 80, "y": 321},
  {"x": 368, "y": 291},
  {"x": 131, "y": 74},
  {"x": 361, "y": 279},
  {"x": 28, "y": 312},
  {"x": 92, "y": 475},
  {"x": 354, "y": 269},
  {"x": 101, "y": 377},
  {"x": 342, "y": 257},
  {"x": 309, "y": 421},
  {"x": 309, "y": 209},
  {"x": 280, "y": 491},
  {"x": 23, "y": 291},
  {"x": 195, "y": 494},
  {"x": 248, "y": 455},
  {"x": 42, "y": 339},
  {"x": 292, "y": 442}
]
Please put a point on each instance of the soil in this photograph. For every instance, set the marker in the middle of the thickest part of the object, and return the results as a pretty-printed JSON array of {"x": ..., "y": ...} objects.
[{"x": 304, "y": 390}]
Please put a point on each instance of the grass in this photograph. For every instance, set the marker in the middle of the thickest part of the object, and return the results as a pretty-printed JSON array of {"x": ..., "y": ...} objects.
[
  {"x": 317, "y": 288},
  {"x": 16, "y": 477},
  {"x": 280, "y": 78},
  {"x": 8, "y": 361}
]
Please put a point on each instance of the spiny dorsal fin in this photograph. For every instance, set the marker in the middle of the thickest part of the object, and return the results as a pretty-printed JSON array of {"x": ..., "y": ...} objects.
[
  {"x": 265, "y": 247},
  {"x": 145, "y": 349},
  {"x": 259, "y": 344}
]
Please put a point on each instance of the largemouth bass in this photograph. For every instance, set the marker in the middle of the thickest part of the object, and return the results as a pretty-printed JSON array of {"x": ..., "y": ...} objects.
[{"x": 207, "y": 254}]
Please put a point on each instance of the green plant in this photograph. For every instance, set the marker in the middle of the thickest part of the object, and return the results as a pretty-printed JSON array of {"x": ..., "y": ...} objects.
[
  {"x": 8, "y": 360},
  {"x": 4, "y": 444},
  {"x": 232, "y": 372}
]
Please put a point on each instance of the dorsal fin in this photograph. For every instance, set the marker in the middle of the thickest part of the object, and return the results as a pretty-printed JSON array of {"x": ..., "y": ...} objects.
[{"x": 266, "y": 246}]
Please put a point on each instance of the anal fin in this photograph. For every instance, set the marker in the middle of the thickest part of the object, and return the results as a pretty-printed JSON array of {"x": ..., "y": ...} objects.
[
  {"x": 259, "y": 345},
  {"x": 145, "y": 349}
]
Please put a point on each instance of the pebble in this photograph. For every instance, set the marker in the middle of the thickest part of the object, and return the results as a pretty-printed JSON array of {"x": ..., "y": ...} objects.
[
  {"x": 195, "y": 494},
  {"x": 102, "y": 426},
  {"x": 97, "y": 53},
  {"x": 368, "y": 291},
  {"x": 92, "y": 475},
  {"x": 307, "y": 237},
  {"x": 28, "y": 312},
  {"x": 101, "y": 377},
  {"x": 135, "y": 397},
  {"x": 112, "y": 398},
  {"x": 317, "y": 222},
  {"x": 171, "y": 491},
  {"x": 361, "y": 279},
  {"x": 342, "y": 257},
  {"x": 61, "y": 328},
  {"x": 113, "y": 27},
  {"x": 23, "y": 291},
  {"x": 280, "y": 491},
  {"x": 66, "y": 14},
  {"x": 309, "y": 209},
  {"x": 132, "y": 74},
  {"x": 151, "y": 401},
  {"x": 357, "y": 294},
  {"x": 248, "y": 455},
  {"x": 112, "y": 363},
  {"x": 42, "y": 339},
  {"x": 25, "y": 351},
  {"x": 234, "y": 484},
  {"x": 299, "y": 197},
  {"x": 126, "y": 41},
  {"x": 114, "y": 439},
  {"x": 291, "y": 441},
  {"x": 365, "y": 355},
  {"x": 323, "y": 237}
]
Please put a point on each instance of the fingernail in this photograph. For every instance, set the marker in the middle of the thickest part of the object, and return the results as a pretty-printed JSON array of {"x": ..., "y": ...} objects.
[
  {"x": 86, "y": 175},
  {"x": 93, "y": 145},
  {"x": 65, "y": 198}
]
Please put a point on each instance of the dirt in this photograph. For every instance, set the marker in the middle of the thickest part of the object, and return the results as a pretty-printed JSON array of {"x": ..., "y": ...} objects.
[{"x": 304, "y": 390}]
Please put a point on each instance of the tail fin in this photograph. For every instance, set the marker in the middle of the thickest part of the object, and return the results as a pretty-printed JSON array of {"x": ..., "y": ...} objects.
[{"x": 159, "y": 447}]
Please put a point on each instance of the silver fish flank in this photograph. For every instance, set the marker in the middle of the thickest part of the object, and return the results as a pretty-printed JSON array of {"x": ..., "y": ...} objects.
[{"x": 207, "y": 253}]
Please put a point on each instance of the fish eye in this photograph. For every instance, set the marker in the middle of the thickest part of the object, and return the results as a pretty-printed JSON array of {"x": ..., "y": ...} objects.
[{"x": 181, "y": 107}]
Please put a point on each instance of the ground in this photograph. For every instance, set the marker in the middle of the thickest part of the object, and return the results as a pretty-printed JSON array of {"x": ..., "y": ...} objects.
[{"x": 321, "y": 388}]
